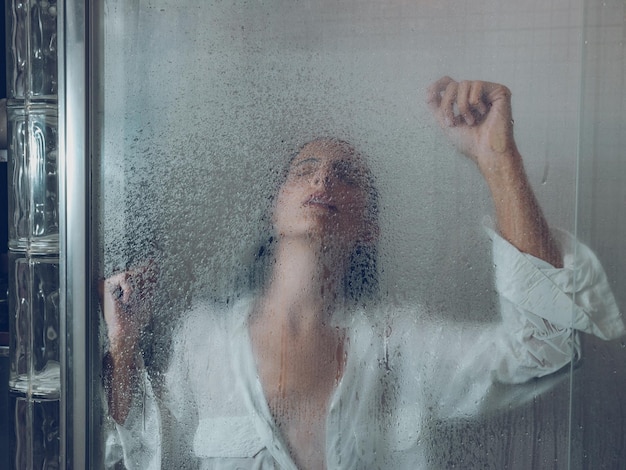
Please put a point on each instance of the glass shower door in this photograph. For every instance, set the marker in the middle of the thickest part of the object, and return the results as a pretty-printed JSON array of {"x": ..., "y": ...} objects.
[
  {"x": 195, "y": 110},
  {"x": 598, "y": 387}
]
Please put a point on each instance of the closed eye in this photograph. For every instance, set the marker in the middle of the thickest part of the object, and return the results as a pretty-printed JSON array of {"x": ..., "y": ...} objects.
[
  {"x": 348, "y": 173},
  {"x": 306, "y": 167}
]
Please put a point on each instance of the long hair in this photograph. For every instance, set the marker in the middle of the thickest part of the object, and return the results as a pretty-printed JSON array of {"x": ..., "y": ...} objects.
[{"x": 360, "y": 280}]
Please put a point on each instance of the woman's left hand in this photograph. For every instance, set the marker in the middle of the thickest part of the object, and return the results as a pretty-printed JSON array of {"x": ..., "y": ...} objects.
[{"x": 477, "y": 118}]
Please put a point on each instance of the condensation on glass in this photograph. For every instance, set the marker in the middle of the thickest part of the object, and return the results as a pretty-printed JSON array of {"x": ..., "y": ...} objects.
[
  {"x": 34, "y": 296},
  {"x": 204, "y": 102},
  {"x": 598, "y": 425}
]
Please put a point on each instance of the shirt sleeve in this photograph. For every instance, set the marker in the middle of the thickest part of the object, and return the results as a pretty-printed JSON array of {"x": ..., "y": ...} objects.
[
  {"x": 137, "y": 442},
  {"x": 543, "y": 307},
  {"x": 461, "y": 369},
  {"x": 156, "y": 433},
  {"x": 576, "y": 296}
]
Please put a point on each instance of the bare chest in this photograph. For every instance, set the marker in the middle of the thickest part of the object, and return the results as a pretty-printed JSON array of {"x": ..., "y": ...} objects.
[
  {"x": 298, "y": 397},
  {"x": 302, "y": 424}
]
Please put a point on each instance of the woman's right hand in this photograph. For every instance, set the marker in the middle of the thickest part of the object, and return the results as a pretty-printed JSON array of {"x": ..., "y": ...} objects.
[{"x": 127, "y": 299}]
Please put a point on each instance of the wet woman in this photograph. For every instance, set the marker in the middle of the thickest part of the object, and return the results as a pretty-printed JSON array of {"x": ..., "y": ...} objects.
[{"x": 302, "y": 376}]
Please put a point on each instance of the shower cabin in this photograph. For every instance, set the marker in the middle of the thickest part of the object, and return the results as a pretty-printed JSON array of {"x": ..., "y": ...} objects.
[{"x": 152, "y": 130}]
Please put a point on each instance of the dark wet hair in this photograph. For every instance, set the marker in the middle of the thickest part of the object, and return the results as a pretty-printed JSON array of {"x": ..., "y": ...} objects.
[{"x": 361, "y": 277}]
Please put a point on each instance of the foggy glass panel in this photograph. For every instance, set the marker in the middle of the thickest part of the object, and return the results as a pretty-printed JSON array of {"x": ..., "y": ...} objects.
[
  {"x": 598, "y": 396},
  {"x": 228, "y": 92},
  {"x": 203, "y": 103}
]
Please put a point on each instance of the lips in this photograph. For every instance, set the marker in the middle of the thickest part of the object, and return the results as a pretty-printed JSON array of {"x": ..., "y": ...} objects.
[{"x": 321, "y": 200}]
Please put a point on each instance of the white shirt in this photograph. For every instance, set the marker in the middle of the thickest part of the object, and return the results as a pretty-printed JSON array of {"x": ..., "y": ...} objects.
[{"x": 403, "y": 367}]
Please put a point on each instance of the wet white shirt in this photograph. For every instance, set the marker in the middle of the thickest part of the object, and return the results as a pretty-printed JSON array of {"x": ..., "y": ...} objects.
[{"x": 403, "y": 367}]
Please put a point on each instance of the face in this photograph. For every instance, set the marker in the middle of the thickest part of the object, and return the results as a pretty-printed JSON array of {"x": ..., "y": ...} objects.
[{"x": 325, "y": 195}]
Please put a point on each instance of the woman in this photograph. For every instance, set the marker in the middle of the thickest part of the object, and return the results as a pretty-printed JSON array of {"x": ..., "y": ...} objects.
[{"x": 301, "y": 375}]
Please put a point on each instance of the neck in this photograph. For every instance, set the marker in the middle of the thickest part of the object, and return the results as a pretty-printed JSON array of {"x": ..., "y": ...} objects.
[
  {"x": 299, "y": 353},
  {"x": 305, "y": 285}
]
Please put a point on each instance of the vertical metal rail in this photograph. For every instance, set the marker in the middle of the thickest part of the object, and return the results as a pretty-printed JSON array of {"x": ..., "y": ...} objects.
[
  {"x": 571, "y": 459},
  {"x": 74, "y": 233}
]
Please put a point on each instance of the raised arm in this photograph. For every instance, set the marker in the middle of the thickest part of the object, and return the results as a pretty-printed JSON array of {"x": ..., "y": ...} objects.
[
  {"x": 477, "y": 118},
  {"x": 126, "y": 302}
]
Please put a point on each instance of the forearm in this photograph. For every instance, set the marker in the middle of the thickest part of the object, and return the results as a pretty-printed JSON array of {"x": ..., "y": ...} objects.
[
  {"x": 121, "y": 381},
  {"x": 519, "y": 218},
  {"x": 126, "y": 309},
  {"x": 134, "y": 442}
]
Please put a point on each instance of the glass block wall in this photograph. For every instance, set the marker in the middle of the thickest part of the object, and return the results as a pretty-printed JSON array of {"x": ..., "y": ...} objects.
[{"x": 34, "y": 376}]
